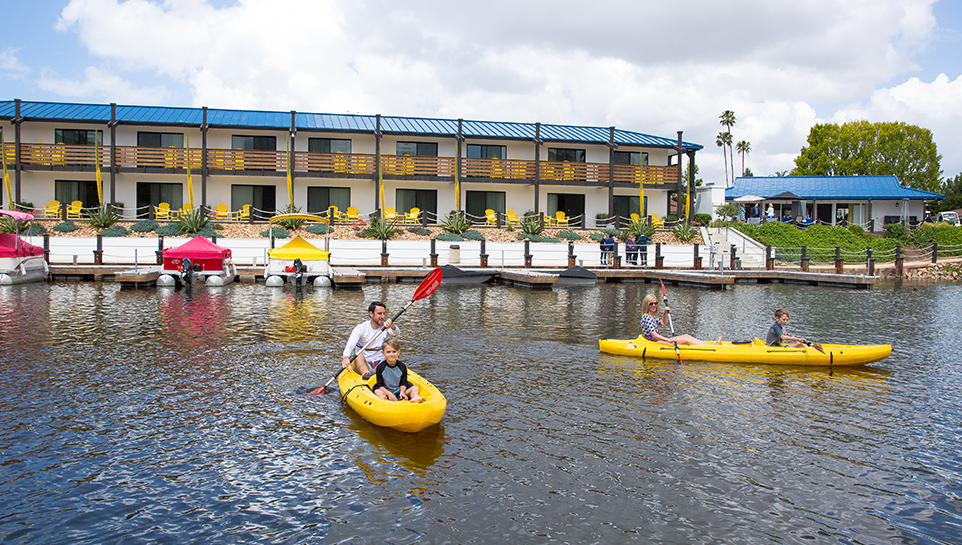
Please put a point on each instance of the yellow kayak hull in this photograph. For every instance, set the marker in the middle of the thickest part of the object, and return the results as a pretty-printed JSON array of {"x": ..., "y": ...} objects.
[
  {"x": 399, "y": 415},
  {"x": 754, "y": 352}
]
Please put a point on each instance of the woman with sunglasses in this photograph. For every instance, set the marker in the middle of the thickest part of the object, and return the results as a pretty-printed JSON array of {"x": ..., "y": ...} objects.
[{"x": 650, "y": 323}]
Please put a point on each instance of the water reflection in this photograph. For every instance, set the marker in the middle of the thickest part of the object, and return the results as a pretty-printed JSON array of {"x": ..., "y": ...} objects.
[{"x": 162, "y": 415}]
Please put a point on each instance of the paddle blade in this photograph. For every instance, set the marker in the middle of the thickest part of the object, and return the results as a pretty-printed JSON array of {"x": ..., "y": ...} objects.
[
  {"x": 318, "y": 391},
  {"x": 663, "y": 292},
  {"x": 818, "y": 346},
  {"x": 428, "y": 285}
]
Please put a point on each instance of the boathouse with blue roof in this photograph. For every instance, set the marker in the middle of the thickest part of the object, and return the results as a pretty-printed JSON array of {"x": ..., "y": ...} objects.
[
  {"x": 870, "y": 201},
  {"x": 155, "y": 158}
]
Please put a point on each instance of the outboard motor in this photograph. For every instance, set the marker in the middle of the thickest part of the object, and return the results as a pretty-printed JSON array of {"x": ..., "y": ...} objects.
[
  {"x": 186, "y": 272},
  {"x": 299, "y": 270}
]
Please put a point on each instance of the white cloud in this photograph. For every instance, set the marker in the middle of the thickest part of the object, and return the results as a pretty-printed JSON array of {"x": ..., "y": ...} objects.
[
  {"x": 104, "y": 86},
  {"x": 650, "y": 67},
  {"x": 10, "y": 66}
]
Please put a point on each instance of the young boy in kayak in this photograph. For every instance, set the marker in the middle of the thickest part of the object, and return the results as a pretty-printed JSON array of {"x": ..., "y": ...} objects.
[
  {"x": 392, "y": 376},
  {"x": 777, "y": 334},
  {"x": 368, "y": 359}
]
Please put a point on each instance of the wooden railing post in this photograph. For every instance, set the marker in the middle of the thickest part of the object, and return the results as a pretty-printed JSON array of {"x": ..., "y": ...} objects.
[
  {"x": 384, "y": 254},
  {"x": 899, "y": 262},
  {"x": 484, "y": 256},
  {"x": 804, "y": 260},
  {"x": 659, "y": 259},
  {"x": 696, "y": 260},
  {"x": 935, "y": 252},
  {"x": 99, "y": 252},
  {"x": 616, "y": 259},
  {"x": 869, "y": 262},
  {"x": 434, "y": 254},
  {"x": 769, "y": 259},
  {"x": 571, "y": 254},
  {"x": 839, "y": 263},
  {"x": 527, "y": 254}
]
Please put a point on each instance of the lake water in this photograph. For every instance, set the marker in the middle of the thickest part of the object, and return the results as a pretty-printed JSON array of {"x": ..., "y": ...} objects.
[{"x": 174, "y": 416}]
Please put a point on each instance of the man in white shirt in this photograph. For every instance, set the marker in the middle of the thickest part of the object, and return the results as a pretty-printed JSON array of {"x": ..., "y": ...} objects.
[{"x": 367, "y": 359}]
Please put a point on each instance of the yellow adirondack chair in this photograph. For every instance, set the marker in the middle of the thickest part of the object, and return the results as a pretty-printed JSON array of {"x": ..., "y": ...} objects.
[
  {"x": 222, "y": 212},
  {"x": 511, "y": 217},
  {"x": 657, "y": 221},
  {"x": 73, "y": 210},
  {"x": 413, "y": 217},
  {"x": 490, "y": 217},
  {"x": 560, "y": 218},
  {"x": 353, "y": 214},
  {"x": 162, "y": 211},
  {"x": 52, "y": 210},
  {"x": 243, "y": 214},
  {"x": 390, "y": 214}
]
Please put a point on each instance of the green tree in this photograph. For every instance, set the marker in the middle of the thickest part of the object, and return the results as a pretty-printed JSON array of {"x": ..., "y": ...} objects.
[
  {"x": 863, "y": 148},
  {"x": 744, "y": 147},
  {"x": 952, "y": 189},
  {"x": 724, "y": 141},
  {"x": 727, "y": 118}
]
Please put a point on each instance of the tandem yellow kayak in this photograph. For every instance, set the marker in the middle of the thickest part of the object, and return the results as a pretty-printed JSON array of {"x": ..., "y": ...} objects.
[
  {"x": 751, "y": 352},
  {"x": 400, "y": 415}
]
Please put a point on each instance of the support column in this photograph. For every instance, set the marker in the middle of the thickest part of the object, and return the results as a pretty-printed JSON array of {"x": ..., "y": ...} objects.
[
  {"x": 203, "y": 161},
  {"x": 113, "y": 155},
  {"x": 17, "y": 165},
  {"x": 611, "y": 171},
  {"x": 537, "y": 166},
  {"x": 378, "y": 174}
]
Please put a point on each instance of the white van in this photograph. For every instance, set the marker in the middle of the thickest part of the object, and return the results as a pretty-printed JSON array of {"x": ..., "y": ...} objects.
[{"x": 950, "y": 217}]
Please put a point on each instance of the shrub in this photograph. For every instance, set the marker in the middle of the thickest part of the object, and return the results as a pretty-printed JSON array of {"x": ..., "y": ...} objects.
[
  {"x": 276, "y": 232},
  {"x": 65, "y": 227},
  {"x": 193, "y": 221},
  {"x": 102, "y": 217},
  {"x": 925, "y": 235},
  {"x": 420, "y": 231},
  {"x": 897, "y": 231},
  {"x": 169, "y": 230},
  {"x": 531, "y": 225},
  {"x": 456, "y": 223},
  {"x": 291, "y": 224},
  {"x": 597, "y": 237},
  {"x": 450, "y": 237},
  {"x": 703, "y": 219},
  {"x": 10, "y": 225},
  {"x": 569, "y": 235},
  {"x": 856, "y": 230},
  {"x": 36, "y": 229},
  {"x": 381, "y": 228},
  {"x": 115, "y": 231},
  {"x": 531, "y": 237},
  {"x": 611, "y": 231},
  {"x": 145, "y": 226},
  {"x": 684, "y": 232},
  {"x": 549, "y": 239},
  {"x": 319, "y": 229},
  {"x": 472, "y": 235}
]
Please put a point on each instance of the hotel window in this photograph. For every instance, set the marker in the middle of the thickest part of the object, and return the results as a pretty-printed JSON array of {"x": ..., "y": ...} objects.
[
  {"x": 631, "y": 158},
  {"x": 262, "y": 199},
  {"x": 151, "y": 194},
  {"x": 77, "y": 137},
  {"x": 424, "y": 199},
  {"x": 67, "y": 191},
  {"x": 160, "y": 140},
  {"x": 419, "y": 149},
  {"x": 263, "y": 143},
  {"x": 476, "y": 202},
  {"x": 626, "y": 205},
  {"x": 328, "y": 145},
  {"x": 319, "y": 199},
  {"x": 480, "y": 151},
  {"x": 564, "y": 154}
]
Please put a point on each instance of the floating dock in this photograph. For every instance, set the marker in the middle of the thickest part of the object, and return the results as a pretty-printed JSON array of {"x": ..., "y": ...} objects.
[{"x": 355, "y": 277}]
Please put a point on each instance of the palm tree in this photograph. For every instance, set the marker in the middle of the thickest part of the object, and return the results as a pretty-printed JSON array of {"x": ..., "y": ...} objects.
[
  {"x": 727, "y": 118},
  {"x": 724, "y": 141},
  {"x": 744, "y": 147}
]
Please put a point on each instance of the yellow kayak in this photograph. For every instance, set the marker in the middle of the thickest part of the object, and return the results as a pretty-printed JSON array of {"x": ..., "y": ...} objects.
[
  {"x": 400, "y": 415},
  {"x": 751, "y": 352}
]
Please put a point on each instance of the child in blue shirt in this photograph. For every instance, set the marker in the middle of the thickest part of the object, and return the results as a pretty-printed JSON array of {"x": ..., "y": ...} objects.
[{"x": 392, "y": 376}]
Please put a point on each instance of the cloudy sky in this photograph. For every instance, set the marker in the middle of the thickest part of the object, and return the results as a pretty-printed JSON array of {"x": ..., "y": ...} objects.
[{"x": 652, "y": 67}]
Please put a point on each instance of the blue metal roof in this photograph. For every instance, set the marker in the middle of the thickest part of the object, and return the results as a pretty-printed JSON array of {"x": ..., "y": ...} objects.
[
  {"x": 829, "y": 188},
  {"x": 164, "y": 115}
]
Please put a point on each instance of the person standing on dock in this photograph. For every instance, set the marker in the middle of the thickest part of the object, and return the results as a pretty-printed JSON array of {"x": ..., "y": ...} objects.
[{"x": 363, "y": 333}]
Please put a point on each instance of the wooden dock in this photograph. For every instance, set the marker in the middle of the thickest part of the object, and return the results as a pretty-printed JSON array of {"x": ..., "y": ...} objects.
[{"x": 356, "y": 277}]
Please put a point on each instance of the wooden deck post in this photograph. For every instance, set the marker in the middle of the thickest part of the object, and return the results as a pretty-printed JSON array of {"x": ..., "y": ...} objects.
[
  {"x": 572, "y": 258},
  {"x": 527, "y": 254},
  {"x": 99, "y": 252},
  {"x": 696, "y": 260},
  {"x": 434, "y": 254},
  {"x": 384, "y": 254},
  {"x": 839, "y": 262},
  {"x": 769, "y": 259},
  {"x": 659, "y": 259},
  {"x": 804, "y": 260},
  {"x": 484, "y": 256},
  {"x": 899, "y": 262}
]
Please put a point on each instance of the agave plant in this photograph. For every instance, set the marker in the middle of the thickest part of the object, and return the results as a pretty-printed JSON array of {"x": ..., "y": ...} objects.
[
  {"x": 684, "y": 232},
  {"x": 456, "y": 223},
  {"x": 102, "y": 217},
  {"x": 10, "y": 225},
  {"x": 532, "y": 225},
  {"x": 380, "y": 228},
  {"x": 193, "y": 221},
  {"x": 291, "y": 224}
]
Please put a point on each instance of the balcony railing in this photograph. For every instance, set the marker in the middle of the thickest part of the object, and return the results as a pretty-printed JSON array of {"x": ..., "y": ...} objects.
[{"x": 340, "y": 163}]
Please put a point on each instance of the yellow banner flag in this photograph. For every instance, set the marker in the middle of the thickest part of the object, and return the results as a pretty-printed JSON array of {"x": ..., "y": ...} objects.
[
  {"x": 100, "y": 182},
  {"x": 457, "y": 181},
  {"x": 290, "y": 182},
  {"x": 687, "y": 203},
  {"x": 380, "y": 176},
  {"x": 6, "y": 176},
  {"x": 190, "y": 184}
]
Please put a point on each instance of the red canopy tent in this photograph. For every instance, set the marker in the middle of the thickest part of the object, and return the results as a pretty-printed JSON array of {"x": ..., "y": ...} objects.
[{"x": 200, "y": 251}]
